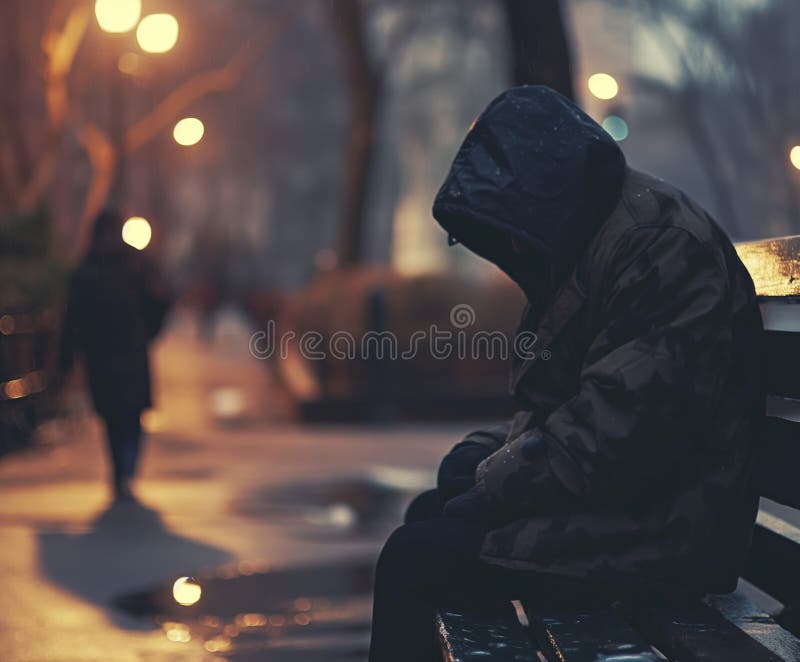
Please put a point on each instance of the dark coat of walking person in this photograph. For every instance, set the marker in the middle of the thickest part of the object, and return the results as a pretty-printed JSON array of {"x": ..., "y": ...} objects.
[
  {"x": 115, "y": 307},
  {"x": 627, "y": 471}
]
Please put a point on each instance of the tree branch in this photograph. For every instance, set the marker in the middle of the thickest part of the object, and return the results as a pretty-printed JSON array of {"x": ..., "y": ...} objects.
[
  {"x": 103, "y": 160},
  {"x": 100, "y": 149},
  {"x": 217, "y": 80},
  {"x": 60, "y": 46}
]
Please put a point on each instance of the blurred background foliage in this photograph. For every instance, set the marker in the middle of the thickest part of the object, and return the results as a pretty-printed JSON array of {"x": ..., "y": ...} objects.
[
  {"x": 328, "y": 125},
  {"x": 33, "y": 262}
]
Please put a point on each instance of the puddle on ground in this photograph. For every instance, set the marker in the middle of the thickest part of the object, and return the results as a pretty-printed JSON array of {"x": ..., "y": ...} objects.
[
  {"x": 367, "y": 505},
  {"x": 316, "y": 613},
  {"x": 245, "y": 613}
]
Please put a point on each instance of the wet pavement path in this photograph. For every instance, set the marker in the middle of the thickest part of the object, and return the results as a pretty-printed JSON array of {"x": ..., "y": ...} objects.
[
  {"x": 279, "y": 524},
  {"x": 309, "y": 612}
]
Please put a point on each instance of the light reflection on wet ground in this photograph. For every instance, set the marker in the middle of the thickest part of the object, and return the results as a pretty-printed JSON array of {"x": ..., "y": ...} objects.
[
  {"x": 248, "y": 611},
  {"x": 311, "y": 613},
  {"x": 98, "y": 562}
]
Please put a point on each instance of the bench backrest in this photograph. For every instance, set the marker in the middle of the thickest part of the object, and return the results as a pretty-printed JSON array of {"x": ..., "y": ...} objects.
[
  {"x": 774, "y": 265},
  {"x": 775, "y": 268}
]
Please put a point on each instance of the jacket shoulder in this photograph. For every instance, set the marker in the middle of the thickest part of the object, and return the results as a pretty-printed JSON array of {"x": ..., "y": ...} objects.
[
  {"x": 651, "y": 211},
  {"x": 650, "y": 207},
  {"x": 651, "y": 203}
]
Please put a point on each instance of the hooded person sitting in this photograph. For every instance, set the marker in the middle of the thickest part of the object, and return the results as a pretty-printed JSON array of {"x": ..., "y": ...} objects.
[{"x": 627, "y": 470}]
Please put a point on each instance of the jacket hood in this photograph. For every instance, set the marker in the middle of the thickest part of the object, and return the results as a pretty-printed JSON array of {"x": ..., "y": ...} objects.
[{"x": 536, "y": 169}]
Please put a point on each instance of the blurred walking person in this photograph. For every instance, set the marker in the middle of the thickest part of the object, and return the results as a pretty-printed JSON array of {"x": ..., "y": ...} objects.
[{"x": 115, "y": 307}]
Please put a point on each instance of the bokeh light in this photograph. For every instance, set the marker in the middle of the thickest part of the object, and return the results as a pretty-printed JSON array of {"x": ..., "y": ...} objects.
[
  {"x": 153, "y": 420},
  {"x": 136, "y": 232},
  {"x": 157, "y": 33},
  {"x": 252, "y": 620},
  {"x": 117, "y": 15},
  {"x": 616, "y": 127},
  {"x": 177, "y": 632},
  {"x": 603, "y": 86},
  {"x": 128, "y": 63},
  {"x": 227, "y": 402},
  {"x": 186, "y": 591},
  {"x": 188, "y": 131},
  {"x": 794, "y": 156}
]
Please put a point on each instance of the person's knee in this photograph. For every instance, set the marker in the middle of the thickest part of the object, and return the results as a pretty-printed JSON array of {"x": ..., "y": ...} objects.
[
  {"x": 403, "y": 556},
  {"x": 400, "y": 545},
  {"x": 424, "y": 506}
]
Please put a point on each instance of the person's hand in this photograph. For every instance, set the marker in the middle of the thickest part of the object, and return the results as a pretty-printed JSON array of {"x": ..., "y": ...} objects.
[
  {"x": 457, "y": 470},
  {"x": 471, "y": 506}
]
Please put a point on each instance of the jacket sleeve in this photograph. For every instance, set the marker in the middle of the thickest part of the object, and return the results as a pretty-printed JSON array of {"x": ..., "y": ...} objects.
[
  {"x": 456, "y": 473},
  {"x": 491, "y": 438},
  {"x": 646, "y": 387}
]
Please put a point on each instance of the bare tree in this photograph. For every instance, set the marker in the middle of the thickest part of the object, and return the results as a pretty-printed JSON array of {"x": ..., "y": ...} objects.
[
  {"x": 539, "y": 53},
  {"x": 736, "y": 96},
  {"x": 26, "y": 180},
  {"x": 540, "y": 49},
  {"x": 364, "y": 82},
  {"x": 365, "y": 73}
]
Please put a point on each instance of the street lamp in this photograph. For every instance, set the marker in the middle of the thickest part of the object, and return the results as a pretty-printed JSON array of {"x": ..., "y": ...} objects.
[
  {"x": 157, "y": 33},
  {"x": 136, "y": 232},
  {"x": 794, "y": 156},
  {"x": 603, "y": 86},
  {"x": 117, "y": 16},
  {"x": 186, "y": 591},
  {"x": 188, "y": 131}
]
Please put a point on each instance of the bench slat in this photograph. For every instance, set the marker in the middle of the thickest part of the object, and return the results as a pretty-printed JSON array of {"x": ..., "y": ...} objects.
[
  {"x": 698, "y": 633},
  {"x": 774, "y": 554},
  {"x": 782, "y": 363},
  {"x": 497, "y": 636},
  {"x": 587, "y": 636},
  {"x": 744, "y": 614},
  {"x": 777, "y": 461}
]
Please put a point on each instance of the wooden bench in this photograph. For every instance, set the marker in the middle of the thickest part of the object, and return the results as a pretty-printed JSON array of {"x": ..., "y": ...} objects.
[{"x": 721, "y": 627}]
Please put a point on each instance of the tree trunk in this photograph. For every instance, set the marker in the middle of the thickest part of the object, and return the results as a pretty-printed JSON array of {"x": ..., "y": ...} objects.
[
  {"x": 363, "y": 90},
  {"x": 15, "y": 164},
  {"x": 540, "y": 50}
]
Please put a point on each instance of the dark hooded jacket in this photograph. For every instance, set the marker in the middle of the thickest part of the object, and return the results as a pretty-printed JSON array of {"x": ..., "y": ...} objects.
[
  {"x": 631, "y": 458},
  {"x": 115, "y": 307}
]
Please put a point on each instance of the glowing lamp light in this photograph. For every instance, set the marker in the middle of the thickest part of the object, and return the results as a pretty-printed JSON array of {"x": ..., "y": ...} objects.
[
  {"x": 794, "y": 156},
  {"x": 186, "y": 591},
  {"x": 616, "y": 127},
  {"x": 178, "y": 633},
  {"x": 603, "y": 86},
  {"x": 157, "y": 33},
  {"x": 117, "y": 15},
  {"x": 136, "y": 232},
  {"x": 188, "y": 131}
]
